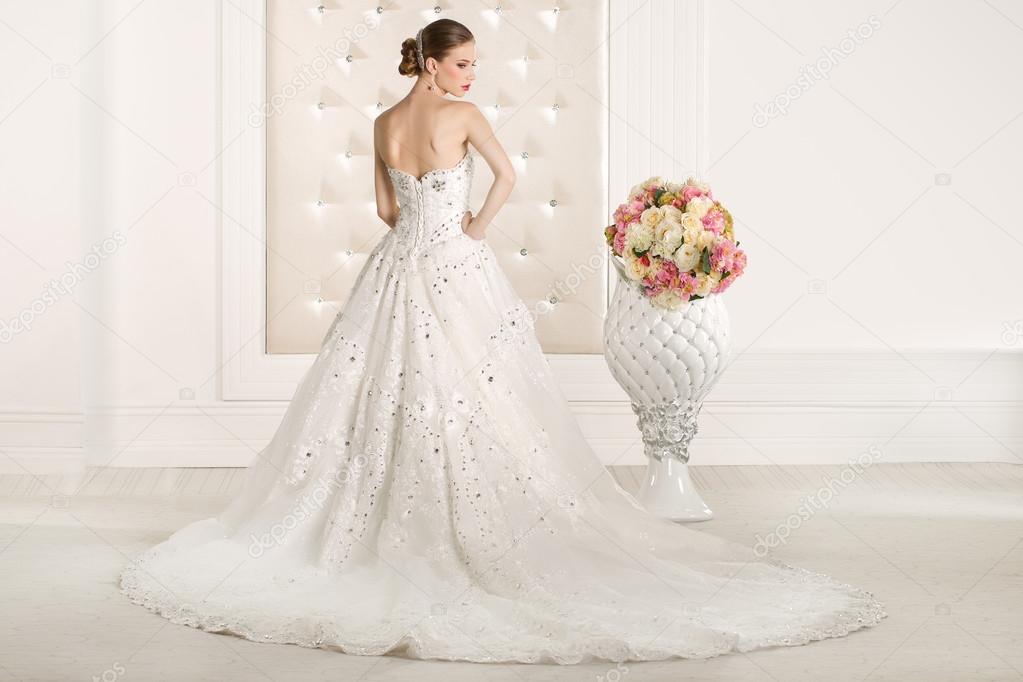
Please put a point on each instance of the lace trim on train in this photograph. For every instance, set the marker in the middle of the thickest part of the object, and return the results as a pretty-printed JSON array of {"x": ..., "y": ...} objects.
[{"x": 416, "y": 639}]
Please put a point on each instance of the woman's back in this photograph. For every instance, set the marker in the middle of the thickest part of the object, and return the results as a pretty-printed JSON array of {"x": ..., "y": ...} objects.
[{"x": 422, "y": 133}]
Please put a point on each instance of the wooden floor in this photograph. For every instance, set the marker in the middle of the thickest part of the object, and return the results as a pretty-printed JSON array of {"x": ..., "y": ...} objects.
[{"x": 940, "y": 544}]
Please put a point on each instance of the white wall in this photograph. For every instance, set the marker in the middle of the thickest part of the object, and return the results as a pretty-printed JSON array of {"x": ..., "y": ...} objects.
[
  {"x": 42, "y": 118},
  {"x": 122, "y": 141},
  {"x": 890, "y": 186},
  {"x": 107, "y": 107},
  {"x": 882, "y": 301}
]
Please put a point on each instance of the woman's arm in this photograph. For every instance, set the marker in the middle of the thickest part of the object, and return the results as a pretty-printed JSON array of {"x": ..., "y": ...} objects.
[
  {"x": 482, "y": 137},
  {"x": 387, "y": 205}
]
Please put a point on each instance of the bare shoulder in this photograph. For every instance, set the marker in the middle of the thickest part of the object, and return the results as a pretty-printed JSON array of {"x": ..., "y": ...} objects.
[
  {"x": 388, "y": 115},
  {"x": 464, "y": 109},
  {"x": 468, "y": 119},
  {"x": 382, "y": 124}
]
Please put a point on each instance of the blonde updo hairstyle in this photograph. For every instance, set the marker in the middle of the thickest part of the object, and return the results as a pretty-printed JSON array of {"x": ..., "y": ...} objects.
[{"x": 439, "y": 37}]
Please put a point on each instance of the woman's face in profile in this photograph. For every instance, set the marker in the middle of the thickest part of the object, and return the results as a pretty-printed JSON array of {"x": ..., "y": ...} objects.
[{"x": 457, "y": 71}]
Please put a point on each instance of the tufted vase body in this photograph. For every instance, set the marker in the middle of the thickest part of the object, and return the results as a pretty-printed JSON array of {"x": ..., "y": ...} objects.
[{"x": 666, "y": 361}]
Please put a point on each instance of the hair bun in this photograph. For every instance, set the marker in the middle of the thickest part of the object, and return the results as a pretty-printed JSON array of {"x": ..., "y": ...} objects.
[
  {"x": 409, "y": 64},
  {"x": 438, "y": 38}
]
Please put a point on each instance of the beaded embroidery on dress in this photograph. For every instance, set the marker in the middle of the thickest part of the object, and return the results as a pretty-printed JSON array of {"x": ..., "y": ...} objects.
[{"x": 430, "y": 492}]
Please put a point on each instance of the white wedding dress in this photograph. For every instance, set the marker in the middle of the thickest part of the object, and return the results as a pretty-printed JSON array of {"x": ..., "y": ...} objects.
[{"x": 429, "y": 492}]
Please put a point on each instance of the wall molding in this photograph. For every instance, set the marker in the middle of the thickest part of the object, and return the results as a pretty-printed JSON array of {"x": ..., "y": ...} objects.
[
  {"x": 247, "y": 371},
  {"x": 769, "y": 408},
  {"x": 771, "y": 433}
]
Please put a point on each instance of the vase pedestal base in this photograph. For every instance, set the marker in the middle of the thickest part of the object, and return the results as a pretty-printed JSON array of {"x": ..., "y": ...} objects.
[{"x": 668, "y": 492}]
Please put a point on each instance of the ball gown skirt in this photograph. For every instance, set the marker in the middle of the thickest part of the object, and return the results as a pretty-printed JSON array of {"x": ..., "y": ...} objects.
[{"x": 429, "y": 493}]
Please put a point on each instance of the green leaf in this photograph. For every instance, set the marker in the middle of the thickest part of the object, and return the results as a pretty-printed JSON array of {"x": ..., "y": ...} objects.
[{"x": 705, "y": 261}]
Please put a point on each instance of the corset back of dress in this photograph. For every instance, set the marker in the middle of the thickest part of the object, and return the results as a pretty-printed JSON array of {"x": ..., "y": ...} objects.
[{"x": 431, "y": 207}]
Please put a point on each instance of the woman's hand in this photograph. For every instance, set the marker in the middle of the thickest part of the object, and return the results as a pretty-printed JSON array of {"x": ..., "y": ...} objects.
[{"x": 468, "y": 226}]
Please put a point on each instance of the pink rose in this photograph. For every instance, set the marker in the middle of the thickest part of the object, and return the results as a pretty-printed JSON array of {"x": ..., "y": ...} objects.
[
  {"x": 651, "y": 287},
  {"x": 687, "y": 284},
  {"x": 667, "y": 274},
  {"x": 619, "y": 242},
  {"x": 714, "y": 220},
  {"x": 738, "y": 262},
  {"x": 689, "y": 192},
  {"x": 722, "y": 253},
  {"x": 723, "y": 285}
]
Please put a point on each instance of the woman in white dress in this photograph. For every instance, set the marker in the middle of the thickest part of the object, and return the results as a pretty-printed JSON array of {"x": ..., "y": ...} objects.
[{"x": 429, "y": 492}]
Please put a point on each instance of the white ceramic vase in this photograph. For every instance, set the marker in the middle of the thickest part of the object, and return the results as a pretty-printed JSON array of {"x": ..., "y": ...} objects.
[{"x": 666, "y": 361}]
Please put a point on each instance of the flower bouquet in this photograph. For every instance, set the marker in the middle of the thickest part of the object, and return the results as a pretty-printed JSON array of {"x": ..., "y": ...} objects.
[{"x": 676, "y": 240}]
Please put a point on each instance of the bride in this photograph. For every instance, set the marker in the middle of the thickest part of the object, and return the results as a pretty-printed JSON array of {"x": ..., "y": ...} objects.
[{"x": 429, "y": 491}]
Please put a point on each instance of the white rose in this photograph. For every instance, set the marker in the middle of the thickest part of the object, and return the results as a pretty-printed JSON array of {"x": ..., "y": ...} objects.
[
  {"x": 699, "y": 206},
  {"x": 687, "y": 257},
  {"x": 657, "y": 248},
  {"x": 667, "y": 299},
  {"x": 693, "y": 182},
  {"x": 705, "y": 282},
  {"x": 669, "y": 240},
  {"x": 634, "y": 268},
  {"x": 689, "y": 221},
  {"x": 705, "y": 240},
  {"x": 692, "y": 228},
  {"x": 640, "y": 189},
  {"x": 672, "y": 214},
  {"x": 651, "y": 216},
  {"x": 639, "y": 237}
]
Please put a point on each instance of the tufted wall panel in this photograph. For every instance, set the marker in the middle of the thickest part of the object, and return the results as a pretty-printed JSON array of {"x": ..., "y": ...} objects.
[{"x": 541, "y": 81}]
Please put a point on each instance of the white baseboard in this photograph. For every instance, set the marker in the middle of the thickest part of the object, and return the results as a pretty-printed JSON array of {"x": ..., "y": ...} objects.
[{"x": 39, "y": 440}]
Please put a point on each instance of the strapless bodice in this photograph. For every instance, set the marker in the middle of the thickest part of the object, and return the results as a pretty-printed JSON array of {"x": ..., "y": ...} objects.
[{"x": 431, "y": 207}]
